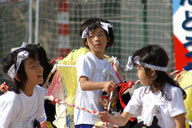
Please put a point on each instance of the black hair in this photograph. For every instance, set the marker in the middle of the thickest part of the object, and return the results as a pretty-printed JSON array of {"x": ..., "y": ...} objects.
[
  {"x": 43, "y": 59},
  {"x": 11, "y": 59},
  {"x": 93, "y": 24},
  {"x": 155, "y": 55}
]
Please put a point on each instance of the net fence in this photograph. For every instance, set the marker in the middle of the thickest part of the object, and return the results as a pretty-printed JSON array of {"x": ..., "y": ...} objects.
[
  {"x": 14, "y": 24},
  {"x": 136, "y": 23}
]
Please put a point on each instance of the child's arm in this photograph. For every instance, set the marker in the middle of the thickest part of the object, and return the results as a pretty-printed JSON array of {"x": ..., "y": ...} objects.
[
  {"x": 119, "y": 120},
  {"x": 91, "y": 85},
  {"x": 180, "y": 121}
]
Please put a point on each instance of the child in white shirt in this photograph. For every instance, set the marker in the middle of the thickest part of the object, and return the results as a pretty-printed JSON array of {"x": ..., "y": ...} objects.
[
  {"x": 23, "y": 105},
  {"x": 160, "y": 100},
  {"x": 94, "y": 73}
]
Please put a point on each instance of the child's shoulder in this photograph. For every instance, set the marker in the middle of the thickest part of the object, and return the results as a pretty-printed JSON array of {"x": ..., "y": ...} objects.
[
  {"x": 141, "y": 89},
  {"x": 84, "y": 56},
  {"x": 10, "y": 94},
  {"x": 40, "y": 89},
  {"x": 89, "y": 57},
  {"x": 172, "y": 89},
  {"x": 9, "y": 97}
]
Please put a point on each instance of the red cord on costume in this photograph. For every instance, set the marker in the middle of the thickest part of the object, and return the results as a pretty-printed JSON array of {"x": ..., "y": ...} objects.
[{"x": 124, "y": 87}]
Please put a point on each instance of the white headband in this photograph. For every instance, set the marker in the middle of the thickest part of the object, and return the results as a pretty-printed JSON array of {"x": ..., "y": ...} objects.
[
  {"x": 24, "y": 44},
  {"x": 20, "y": 57},
  {"x": 136, "y": 60},
  {"x": 104, "y": 25}
]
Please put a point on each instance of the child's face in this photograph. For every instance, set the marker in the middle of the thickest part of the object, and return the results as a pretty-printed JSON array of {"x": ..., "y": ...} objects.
[
  {"x": 97, "y": 41},
  {"x": 142, "y": 76},
  {"x": 34, "y": 71}
]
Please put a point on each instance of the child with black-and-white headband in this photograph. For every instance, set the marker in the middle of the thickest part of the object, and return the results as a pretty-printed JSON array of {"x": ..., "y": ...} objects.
[
  {"x": 23, "y": 105},
  {"x": 160, "y": 100},
  {"x": 94, "y": 72}
]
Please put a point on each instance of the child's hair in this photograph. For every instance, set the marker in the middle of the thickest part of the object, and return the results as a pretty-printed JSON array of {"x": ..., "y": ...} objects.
[
  {"x": 11, "y": 60},
  {"x": 43, "y": 59},
  {"x": 93, "y": 24},
  {"x": 157, "y": 56}
]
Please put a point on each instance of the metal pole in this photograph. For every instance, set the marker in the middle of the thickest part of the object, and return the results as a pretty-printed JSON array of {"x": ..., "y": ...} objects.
[
  {"x": 37, "y": 22},
  {"x": 30, "y": 21}
]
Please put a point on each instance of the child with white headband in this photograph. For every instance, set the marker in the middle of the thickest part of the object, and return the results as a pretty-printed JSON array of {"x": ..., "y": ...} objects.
[
  {"x": 23, "y": 105},
  {"x": 160, "y": 100},
  {"x": 94, "y": 73}
]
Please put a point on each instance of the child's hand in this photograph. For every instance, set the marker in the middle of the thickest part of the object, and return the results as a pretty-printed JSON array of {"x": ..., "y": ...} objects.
[
  {"x": 104, "y": 116},
  {"x": 108, "y": 85},
  {"x": 102, "y": 102},
  {"x": 43, "y": 124}
]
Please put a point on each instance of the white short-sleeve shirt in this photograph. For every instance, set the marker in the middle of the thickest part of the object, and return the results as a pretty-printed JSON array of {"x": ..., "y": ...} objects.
[
  {"x": 19, "y": 110},
  {"x": 148, "y": 104},
  {"x": 97, "y": 70}
]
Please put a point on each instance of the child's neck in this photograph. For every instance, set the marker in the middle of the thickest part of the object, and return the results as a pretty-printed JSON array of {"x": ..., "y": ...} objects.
[
  {"x": 28, "y": 90},
  {"x": 99, "y": 55},
  {"x": 154, "y": 89}
]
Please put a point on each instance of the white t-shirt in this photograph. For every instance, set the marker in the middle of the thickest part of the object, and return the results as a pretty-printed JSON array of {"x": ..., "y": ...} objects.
[
  {"x": 19, "y": 110},
  {"x": 94, "y": 69},
  {"x": 148, "y": 104}
]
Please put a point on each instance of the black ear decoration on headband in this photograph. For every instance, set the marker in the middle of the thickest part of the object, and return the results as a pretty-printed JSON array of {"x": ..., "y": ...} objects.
[{"x": 38, "y": 44}]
